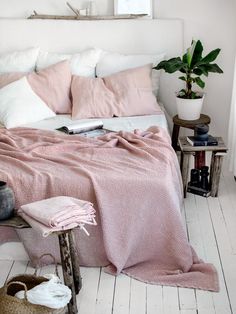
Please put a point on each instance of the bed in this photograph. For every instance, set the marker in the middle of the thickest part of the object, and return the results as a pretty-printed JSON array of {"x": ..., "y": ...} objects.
[{"x": 131, "y": 229}]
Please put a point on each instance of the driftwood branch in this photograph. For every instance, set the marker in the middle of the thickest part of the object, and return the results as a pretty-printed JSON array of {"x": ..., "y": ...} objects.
[
  {"x": 85, "y": 17},
  {"x": 73, "y": 9}
]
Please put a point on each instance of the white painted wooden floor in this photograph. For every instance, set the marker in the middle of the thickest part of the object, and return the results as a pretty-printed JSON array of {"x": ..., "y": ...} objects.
[{"x": 211, "y": 228}]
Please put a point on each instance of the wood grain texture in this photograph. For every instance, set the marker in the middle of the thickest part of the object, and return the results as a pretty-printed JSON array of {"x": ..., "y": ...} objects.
[
  {"x": 85, "y": 17},
  {"x": 67, "y": 269}
]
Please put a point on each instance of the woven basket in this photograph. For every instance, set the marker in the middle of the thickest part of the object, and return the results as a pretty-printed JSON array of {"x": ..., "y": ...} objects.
[{"x": 9, "y": 304}]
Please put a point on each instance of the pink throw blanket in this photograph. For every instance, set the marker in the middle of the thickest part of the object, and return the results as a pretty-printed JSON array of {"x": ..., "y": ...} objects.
[
  {"x": 134, "y": 182},
  {"x": 58, "y": 213}
]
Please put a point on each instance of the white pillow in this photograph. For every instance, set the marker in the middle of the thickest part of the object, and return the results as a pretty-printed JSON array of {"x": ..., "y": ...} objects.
[
  {"x": 45, "y": 59},
  {"x": 19, "y": 61},
  {"x": 111, "y": 63},
  {"x": 20, "y": 105},
  {"x": 82, "y": 64}
]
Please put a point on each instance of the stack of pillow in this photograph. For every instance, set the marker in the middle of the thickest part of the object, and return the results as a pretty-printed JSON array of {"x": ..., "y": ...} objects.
[{"x": 36, "y": 85}]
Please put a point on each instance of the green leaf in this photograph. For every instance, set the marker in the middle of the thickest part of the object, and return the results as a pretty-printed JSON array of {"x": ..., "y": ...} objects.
[
  {"x": 171, "y": 65},
  {"x": 183, "y": 78},
  {"x": 183, "y": 70},
  {"x": 202, "y": 68},
  {"x": 185, "y": 59},
  {"x": 197, "y": 71},
  {"x": 197, "y": 54},
  {"x": 193, "y": 95},
  {"x": 182, "y": 93},
  {"x": 160, "y": 65},
  {"x": 213, "y": 68},
  {"x": 190, "y": 52},
  {"x": 211, "y": 56},
  {"x": 199, "y": 82}
]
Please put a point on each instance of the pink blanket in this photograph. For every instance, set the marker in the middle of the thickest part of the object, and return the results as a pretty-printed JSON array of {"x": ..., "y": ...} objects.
[
  {"x": 134, "y": 182},
  {"x": 58, "y": 213}
]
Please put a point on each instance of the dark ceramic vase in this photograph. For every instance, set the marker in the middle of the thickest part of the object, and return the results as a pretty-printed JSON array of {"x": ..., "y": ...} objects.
[{"x": 7, "y": 201}]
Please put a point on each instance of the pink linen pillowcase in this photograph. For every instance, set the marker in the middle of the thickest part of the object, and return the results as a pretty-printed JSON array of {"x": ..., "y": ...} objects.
[
  {"x": 8, "y": 78},
  {"x": 52, "y": 85},
  {"x": 127, "y": 93}
]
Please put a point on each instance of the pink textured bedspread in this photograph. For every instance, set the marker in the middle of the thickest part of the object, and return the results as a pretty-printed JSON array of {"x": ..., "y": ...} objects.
[{"x": 134, "y": 182}]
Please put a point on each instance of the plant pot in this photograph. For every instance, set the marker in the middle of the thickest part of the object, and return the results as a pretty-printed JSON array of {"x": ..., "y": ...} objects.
[{"x": 189, "y": 109}]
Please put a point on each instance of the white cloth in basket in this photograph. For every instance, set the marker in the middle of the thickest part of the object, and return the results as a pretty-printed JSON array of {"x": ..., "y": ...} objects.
[{"x": 51, "y": 293}]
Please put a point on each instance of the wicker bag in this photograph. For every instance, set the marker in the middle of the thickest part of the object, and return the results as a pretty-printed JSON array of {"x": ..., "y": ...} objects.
[{"x": 9, "y": 304}]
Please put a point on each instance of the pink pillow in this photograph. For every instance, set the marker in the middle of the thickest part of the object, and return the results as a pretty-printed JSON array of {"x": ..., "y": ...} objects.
[
  {"x": 127, "y": 93},
  {"x": 8, "y": 78},
  {"x": 52, "y": 85}
]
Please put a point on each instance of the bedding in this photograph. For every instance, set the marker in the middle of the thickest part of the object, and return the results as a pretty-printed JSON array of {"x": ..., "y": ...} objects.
[
  {"x": 19, "y": 104},
  {"x": 139, "y": 228},
  {"x": 111, "y": 63},
  {"x": 8, "y": 78},
  {"x": 113, "y": 124},
  {"x": 53, "y": 85},
  {"x": 19, "y": 61},
  {"x": 126, "y": 93},
  {"x": 82, "y": 63}
]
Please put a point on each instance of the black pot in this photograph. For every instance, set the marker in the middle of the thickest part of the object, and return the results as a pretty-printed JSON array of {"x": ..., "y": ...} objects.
[{"x": 7, "y": 201}]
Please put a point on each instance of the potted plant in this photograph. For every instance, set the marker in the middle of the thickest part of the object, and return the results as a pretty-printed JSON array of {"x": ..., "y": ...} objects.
[{"x": 193, "y": 65}]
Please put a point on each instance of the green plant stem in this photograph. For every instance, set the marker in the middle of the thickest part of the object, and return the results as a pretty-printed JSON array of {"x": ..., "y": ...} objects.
[{"x": 189, "y": 85}]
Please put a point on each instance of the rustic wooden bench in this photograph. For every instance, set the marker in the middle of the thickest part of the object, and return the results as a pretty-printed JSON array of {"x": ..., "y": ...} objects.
[{"x": 69, "y": 258}]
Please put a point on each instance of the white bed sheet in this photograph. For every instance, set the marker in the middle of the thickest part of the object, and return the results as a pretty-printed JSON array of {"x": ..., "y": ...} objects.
[{"x": 113, "y": 124}]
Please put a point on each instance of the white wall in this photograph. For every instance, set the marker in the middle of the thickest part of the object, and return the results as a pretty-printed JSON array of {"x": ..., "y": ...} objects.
[
  {"x": 24, "y": 8},
  {"x": 212, "y": 21}
]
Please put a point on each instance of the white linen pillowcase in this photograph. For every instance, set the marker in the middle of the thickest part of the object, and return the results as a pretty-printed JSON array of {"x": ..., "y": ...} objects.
[
  {"x": 19, "y": 61},
  {"x": 111, "y": 63},
  {"x": 46, "y": 59},
  {"x": 82, "y": 64},
  {"x": 20, "y": 105}
]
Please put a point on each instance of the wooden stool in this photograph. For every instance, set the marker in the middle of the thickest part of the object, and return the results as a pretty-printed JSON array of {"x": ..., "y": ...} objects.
[
  {"x": 189, "y": 124},
  {"x": 218, "y": 152},
  {"x": 69, "y": 258}
]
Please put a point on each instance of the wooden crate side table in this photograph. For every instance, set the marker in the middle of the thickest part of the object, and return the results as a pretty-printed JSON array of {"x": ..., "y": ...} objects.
[
  {"x": 69, "y": 258},
  {"x": 217, "y": 154}
]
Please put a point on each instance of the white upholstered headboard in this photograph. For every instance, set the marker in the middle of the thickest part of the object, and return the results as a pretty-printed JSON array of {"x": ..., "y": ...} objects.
[{"x": 124, "y": 36}]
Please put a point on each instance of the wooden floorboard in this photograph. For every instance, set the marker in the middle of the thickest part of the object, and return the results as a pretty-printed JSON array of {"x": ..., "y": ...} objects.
[
  {"x": 227, "y": 258},
  {"x": 204, "y": 300},
  {"x": 210, "y": 224},
  {"x": 121, "y": 302},
  {"x": 104, "y": 302},
  {"x": 154, "y": 299},
  {"x": 137, "y": 297}
]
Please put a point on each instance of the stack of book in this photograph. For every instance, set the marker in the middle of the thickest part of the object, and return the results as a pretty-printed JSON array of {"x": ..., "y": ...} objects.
[
  {"x": 198, "y": 190},
  {"x": 195, "y": 141}
]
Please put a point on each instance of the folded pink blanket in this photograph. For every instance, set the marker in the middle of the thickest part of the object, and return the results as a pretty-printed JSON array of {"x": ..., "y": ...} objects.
[{"x": 58, "y": 213}]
